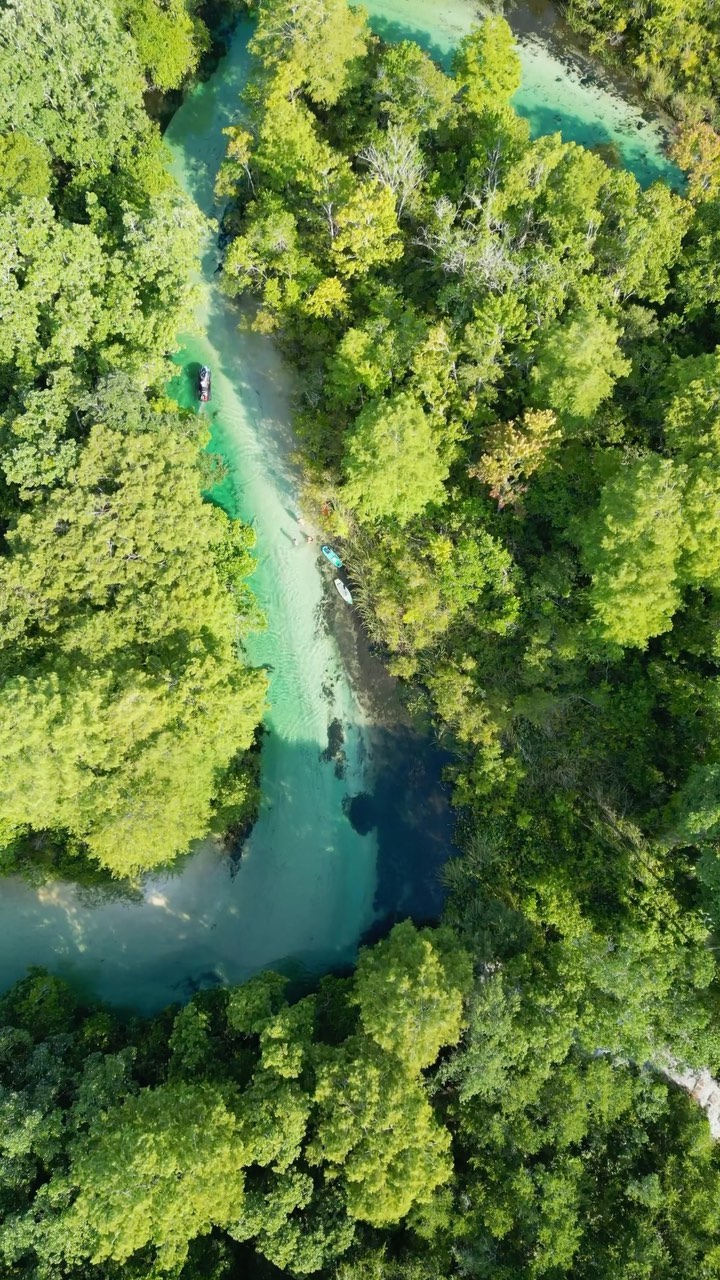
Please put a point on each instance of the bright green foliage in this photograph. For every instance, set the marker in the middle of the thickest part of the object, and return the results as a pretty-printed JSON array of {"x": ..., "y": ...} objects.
[
  {"x": 24, "y": 168},
  {"x": 314, "y": 46},
  {"x": 236, "y": 163},
  {"x": 286, "y": 1038},
  {"x": 487, "y": 66},
  {"x": 372, "y": 357},
  {"x": 78, "y": 52},
  {"x": 577, "y": 364},
  {"x": 126, "y": 640},
  {"x": 410, "y": 992},
  {"x": 168, "y": 37},
  {"x": 411, "y": 90},
  {"x": 189, "y": 1043},
  {"x": 117, "y": 634},
  {"x": 161, "y": 1169},
  {"x": 692, "y": 417},
  {"x": 376, "y": 1133},
  {"x": 366, "y": 230},
  {"x": 107, "y": 294},
  {"x": 253, "y": 1006},
  {"x": 212, "y": 1135},
  {"x": 392, "y": 463},
  {"x": 629, "y": 547},
  {"x": 697, "y": 150},
  {"x": 291, "y": 151},
  {"x": 269, "y": 259},
  {"x": 273, "y": 1117},
  {"x": 417, "y": 594}
]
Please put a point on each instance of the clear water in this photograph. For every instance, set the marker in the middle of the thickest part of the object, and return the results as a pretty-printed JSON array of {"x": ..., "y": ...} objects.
[{"x": 354, "y": 822}]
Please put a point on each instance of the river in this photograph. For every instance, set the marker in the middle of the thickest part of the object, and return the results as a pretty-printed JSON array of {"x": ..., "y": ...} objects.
[{"x": 354, "y": 822}]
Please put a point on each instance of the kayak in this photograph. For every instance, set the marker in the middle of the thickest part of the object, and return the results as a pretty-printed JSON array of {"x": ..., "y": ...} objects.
[
  {"x": 332, "y": 556},
  {"x": 343, "y": 591}
]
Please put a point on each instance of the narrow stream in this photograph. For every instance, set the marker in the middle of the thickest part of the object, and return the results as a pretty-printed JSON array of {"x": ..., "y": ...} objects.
[{"x": 354, "y": 822}]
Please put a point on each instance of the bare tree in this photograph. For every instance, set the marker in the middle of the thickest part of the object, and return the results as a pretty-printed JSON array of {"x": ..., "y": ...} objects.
[{"x": 396, "y": 161}]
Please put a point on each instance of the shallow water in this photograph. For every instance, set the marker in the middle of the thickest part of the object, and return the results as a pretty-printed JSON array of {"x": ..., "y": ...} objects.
[{"x": 354, "y": 823}]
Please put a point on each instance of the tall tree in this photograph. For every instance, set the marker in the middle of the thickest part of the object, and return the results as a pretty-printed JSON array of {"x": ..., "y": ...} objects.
[{"x": 393, "y": 465}]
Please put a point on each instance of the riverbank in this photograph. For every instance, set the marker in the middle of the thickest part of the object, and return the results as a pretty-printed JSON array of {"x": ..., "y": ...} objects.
[{"x": 563, "y": 90}]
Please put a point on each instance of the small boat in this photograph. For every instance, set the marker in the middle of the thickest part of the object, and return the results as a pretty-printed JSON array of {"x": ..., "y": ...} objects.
[
  {"x": 204, "y": 384},
  {"x": 332, "y": 556},
  {"x": 343, "y": 591}
]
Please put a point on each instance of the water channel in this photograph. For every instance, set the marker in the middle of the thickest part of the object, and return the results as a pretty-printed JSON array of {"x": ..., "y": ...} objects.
[{"x": 354, "y": 822}]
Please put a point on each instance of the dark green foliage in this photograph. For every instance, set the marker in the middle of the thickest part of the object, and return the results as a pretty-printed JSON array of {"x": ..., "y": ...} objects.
[{"x": 125, "y": 1145}]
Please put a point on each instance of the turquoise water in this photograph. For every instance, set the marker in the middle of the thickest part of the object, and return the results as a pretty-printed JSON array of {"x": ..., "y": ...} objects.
[{"x": 354, "y": 823}]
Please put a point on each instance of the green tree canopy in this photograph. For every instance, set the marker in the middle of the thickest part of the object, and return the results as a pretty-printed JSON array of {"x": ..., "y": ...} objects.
[
  {"x": 577, "y": 364},
  {"x": 629, "y": 547},
  {"x": 392, "y": 462},
  {"x": 315, "y": 46},
  {"x": 117, "y": 636},
  {"x": 410, "y": 990},
  {"x": 161, "y": 1170},
  {"x": 70, "y": 79},
  {"x": 487, "y": 66}
]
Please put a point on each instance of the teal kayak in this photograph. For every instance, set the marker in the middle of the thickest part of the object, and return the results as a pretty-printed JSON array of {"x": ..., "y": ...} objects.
[{"x": 332, "y": 556}]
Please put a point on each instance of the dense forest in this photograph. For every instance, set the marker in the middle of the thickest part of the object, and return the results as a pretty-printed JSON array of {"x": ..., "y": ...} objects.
[
  {"x": 122, "y": 593},
  {"x": 511, "y": 412}
]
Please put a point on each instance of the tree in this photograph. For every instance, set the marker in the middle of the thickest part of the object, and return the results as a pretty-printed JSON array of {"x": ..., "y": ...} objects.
[
  {"x": 576, "y": 365},
  {"x": 109, "y": 698},
  {"x": 24, "y": 168},
  {"x": 373, "y": 356},
  {"x": 169, "y": 39},
  {"x": 487, "y": 66},
  {"x": 411, "y": 91},
  {"x": 392, "y": 462},
  {"x": 158, "y": 1171},
  {"x": 366, "y": 230},
  {"x": 396, "y": 161},
  {"x": 410, "y": 991},
  {"x": 76, "y": 58},
  {"x": 376, "y": 1133},
  {"x": 629, "y": 547},
  {"x": 515, "y": 454},
  {"x": 269, "y": 260},
  {"x": 316, "y": 46},
  {"x": 236, "y": 164},
  {"x": 697, "y": 150}
]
